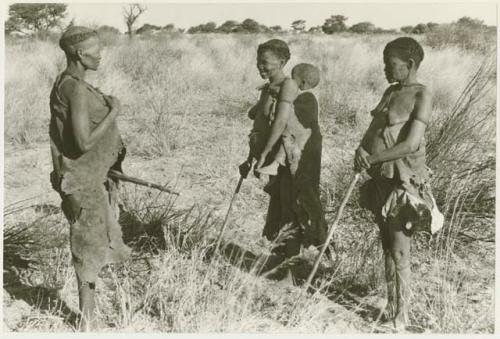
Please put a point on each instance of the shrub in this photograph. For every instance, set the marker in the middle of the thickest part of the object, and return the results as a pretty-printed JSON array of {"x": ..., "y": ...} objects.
[{"x": 466, "y": 33}]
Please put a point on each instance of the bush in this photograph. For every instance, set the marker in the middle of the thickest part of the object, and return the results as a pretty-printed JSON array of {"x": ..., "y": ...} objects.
[
  {"x": 108, "y": 35},
  {"x": 362, "y": 27},
  {"x": 407, "y": 29},
  {"x": 209, "y": 27},
  {"x": 466, "y": 34}
]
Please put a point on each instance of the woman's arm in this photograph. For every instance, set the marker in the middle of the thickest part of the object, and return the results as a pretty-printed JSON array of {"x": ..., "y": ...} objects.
[
  {"x": 410, "y": 144},
  {"x": 80, "y": 121},
  {"x": 284, "y": 108}
]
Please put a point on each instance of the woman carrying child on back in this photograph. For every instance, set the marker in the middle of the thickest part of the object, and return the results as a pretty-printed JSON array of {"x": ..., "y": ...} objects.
[
  {"x": 393, "y": 152},
  {"x": 282, "y": 112}
]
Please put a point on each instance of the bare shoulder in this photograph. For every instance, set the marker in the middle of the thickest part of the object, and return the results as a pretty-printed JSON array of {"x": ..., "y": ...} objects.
[
  {"x": 423, "y": 104},
  {"x": 423, "y": 93},
  {"x": 73, "y": 89},
  {"x": 423, "y": 96}
]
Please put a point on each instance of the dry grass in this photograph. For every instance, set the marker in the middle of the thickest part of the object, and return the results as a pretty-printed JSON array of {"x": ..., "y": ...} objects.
[{"x": 184, "y": 100}]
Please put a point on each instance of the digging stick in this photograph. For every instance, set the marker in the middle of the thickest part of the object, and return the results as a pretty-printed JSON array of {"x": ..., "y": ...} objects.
[
  {"x": 354, "y": 180},
  {"x": 122, "y": 177},
  {"x": 236, "y": 191}
]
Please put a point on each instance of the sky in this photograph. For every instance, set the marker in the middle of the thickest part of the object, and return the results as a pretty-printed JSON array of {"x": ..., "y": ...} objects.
[{"x": 185, "y": 15}]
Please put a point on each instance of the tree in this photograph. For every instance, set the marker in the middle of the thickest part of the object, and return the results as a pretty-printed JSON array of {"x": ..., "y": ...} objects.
[
  {"x": 419, "y": 29},
  {"x": 315, "y": 29},
  {"x": 131, "y": 13},
  {"x": 385, "y": 31},
  {"x": 276, "y": 29},
  {"x": 407, "y": 29},
  {"x": 299, "y": 26},
  {"x": 334, "y": 24},
  {"x": 468, "y": 22},
  {"x": 250, "y": 26},
  {"x": 229, "y": 26},
  {"x": 169, "y": 27},
  {"x": 264, "y": 29},
  {"x": 147, "y": 28},
  {"x": 108, "y": 35},
  {"x": 363, "y": 27},
  {"x": 105, "y": 29},
  {"x": 431, "y": 26},
  {"x": 34, "y": 17},
  {"x": 209, "y": 27}
]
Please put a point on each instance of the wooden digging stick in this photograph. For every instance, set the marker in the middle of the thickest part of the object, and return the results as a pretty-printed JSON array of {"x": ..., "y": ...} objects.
[
  {"x": 236, "y": 191},
  {"x": 354, "y": 180},
  {"x": 122, "y": 177}
]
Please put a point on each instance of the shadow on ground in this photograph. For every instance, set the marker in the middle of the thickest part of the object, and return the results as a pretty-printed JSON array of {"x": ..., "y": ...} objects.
[
  {"x": 39, "y": 297},
  {"x": 273, "y": 267},
  {"x": 20, "y": 241}
]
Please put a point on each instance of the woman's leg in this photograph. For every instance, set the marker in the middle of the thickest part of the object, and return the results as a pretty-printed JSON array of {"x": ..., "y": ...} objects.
[
  {"x": 86, "y": 296},
  {"x": 396, "y": 246},
  {"x": 289, "y": 217},
  {"x": 311, "y": 215},
  {"x": 390, "y": 272},
  {"x": 401, "y": 256},
  {"x": 273, "y": 216}
]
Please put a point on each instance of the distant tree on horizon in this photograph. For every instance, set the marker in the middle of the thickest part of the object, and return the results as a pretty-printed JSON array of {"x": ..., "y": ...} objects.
[
  {"x": 276, "y": 29},
  {"x": 431, "y": 26},
  {"x": 299, "y": 26},
  {"x": 131, "y": 13},
  {"x": 230, "y": 26},
  {"x": 147, "y": 28},
  {"x": 420, "y": 29},
  {"x": 108, "y": 29},
  {"x": 250, "y": 26},
  {"x": 363, "y": 27},
  {"x": 470, "y": 22},
  {"x": 406, "y": 29},
  {"x": 169, "y": 27},
  {"x": 209, "y": 27},
  {"x": 334, "y": 24},
  {"x": 34, "y": 17},
  {"x": 315, "y": 29}
]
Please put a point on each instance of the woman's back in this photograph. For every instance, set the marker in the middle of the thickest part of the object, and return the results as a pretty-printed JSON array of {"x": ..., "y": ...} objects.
[{"x": 69, "y": 157}]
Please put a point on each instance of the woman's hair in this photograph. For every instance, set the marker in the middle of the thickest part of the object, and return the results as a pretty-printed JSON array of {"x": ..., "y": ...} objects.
[
  {"x": 277, "y": 46},
  {"x": 405, "y": 48},
  {"x": 73, "y": 36}
]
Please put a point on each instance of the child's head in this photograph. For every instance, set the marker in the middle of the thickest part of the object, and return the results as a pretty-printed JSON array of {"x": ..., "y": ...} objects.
[
  {"x": 272, "y": 55},
  {"x": 306, "y": 76},
  {"x": 401, "y": 57}
]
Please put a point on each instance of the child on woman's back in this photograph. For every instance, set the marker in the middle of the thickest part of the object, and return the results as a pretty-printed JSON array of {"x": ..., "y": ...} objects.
[{"x": 295, "y": 136}]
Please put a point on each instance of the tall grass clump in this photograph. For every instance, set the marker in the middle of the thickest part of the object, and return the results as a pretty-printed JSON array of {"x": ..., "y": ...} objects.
[{"x": 461, "y": 143}]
